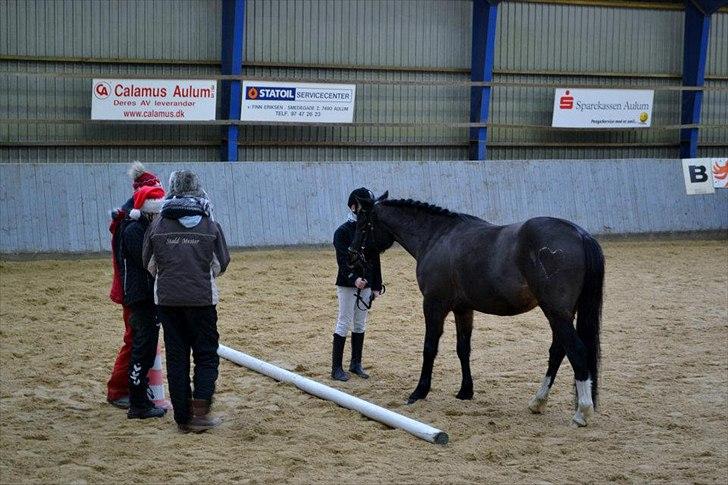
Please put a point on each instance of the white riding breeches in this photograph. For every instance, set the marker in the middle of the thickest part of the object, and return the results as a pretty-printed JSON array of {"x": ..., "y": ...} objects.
[{"x": 351, "y": 317}]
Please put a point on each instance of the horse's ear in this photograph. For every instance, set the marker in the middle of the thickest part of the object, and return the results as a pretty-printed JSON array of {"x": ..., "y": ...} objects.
[{"x": 384, "y": 196}]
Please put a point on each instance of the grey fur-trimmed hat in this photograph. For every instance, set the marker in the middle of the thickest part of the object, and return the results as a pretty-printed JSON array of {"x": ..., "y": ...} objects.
[{"x": 185, "y": 183}]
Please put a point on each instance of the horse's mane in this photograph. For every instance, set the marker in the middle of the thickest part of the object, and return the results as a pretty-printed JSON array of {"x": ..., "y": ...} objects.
[{"x": 427, "y": 208}]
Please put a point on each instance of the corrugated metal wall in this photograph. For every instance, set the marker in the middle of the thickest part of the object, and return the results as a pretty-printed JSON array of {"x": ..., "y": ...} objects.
[
  {"x": 47, "y": 96},
  {"x": 285, "y": 203},
  {"x": 717, "y": 64},
  {"x": 577, "y": 38},
  {"x": 516, "y": 105},
  {"x": 425, "y": 33},
  {"x": 128, "y": 38},
  {"x": 186, "y": 30},
  {"x": 597, "y": 45},
  {"x": 376, "y": 103},
  {"x": 425, "y": 41},
  {"x": 536, "y": 43},
  {"x": 371, "y": 40},
  {"x": 714, "y": 142}
]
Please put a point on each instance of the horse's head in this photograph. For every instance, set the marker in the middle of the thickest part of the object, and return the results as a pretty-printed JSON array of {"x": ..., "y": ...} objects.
[{"x": 370, "y": 237}]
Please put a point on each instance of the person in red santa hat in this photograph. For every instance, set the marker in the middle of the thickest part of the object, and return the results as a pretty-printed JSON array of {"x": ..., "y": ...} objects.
[
  {"x": 138, "y": 286},
  {"x": 117, "y": 389}
]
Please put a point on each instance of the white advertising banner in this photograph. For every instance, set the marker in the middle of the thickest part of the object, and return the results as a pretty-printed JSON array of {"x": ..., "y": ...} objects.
[
  {"x": 153, "y": 100},
  {"x": 602, "y": 108},
  {"x": 297, "y": 102}
]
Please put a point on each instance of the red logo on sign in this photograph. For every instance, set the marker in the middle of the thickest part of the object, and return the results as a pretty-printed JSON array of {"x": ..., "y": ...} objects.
[
  {"x": 720, "y": 172},
  {"x": 566, "y": 101},
  {"x": 102, "y": 90},
  {"x": 252, "y": 93}
]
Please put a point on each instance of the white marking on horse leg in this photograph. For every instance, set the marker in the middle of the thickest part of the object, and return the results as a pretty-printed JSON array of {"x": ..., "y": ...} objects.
[
  {"x": 585, "y": 406},
  {"x": 584, "y": 392},
  {"x": 537, "y": 404}
]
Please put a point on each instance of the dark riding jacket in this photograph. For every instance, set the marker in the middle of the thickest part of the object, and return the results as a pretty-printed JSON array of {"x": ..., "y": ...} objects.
[
  {"x": 137, "y": 283},
  {"x": 185, "y": 256},
  {"x": 117, "y": 217},
  {"x": 347, "y": 276}
]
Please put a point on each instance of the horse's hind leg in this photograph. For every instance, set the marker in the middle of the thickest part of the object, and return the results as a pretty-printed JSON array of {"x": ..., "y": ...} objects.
[
  {"x": 576, "y": 352},
  {"x": 464, "y": 326},
  {"x": 537, "y": 404},
  {"x": 435, "y": 313}
]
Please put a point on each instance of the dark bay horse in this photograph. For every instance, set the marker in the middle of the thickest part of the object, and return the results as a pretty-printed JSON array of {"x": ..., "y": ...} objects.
[{"x": 466, "y": 264}]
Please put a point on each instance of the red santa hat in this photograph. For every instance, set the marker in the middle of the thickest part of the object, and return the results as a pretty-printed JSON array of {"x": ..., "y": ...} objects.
[
  {"x": 147, "y": 199},
  {"x": 141, "y": 178}
]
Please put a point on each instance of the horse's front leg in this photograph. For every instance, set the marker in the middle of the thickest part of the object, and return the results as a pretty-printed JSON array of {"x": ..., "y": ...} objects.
[
  {"x": 435, "y": 313},
  {"x": 464, "y": 326}
]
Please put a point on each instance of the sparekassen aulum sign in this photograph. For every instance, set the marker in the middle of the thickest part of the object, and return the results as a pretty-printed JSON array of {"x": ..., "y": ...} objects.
[
  {"x": 153, "y": 100},
  {"x": 602, "y": 108},
  {"x": 297, "y": 102}
]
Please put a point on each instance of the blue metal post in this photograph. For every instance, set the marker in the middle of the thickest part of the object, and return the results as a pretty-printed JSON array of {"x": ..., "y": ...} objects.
[
  {"x": 233, "y": 37},
  {"x": 485, "y": 13},
  {"x": 695, "y": 49}
]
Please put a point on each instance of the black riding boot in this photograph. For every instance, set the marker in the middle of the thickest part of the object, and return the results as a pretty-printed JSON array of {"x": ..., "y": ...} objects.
[
  {"x": 337, "y": 355},
  {"x": 357, "y": 344},
  {"x": 141, "y": 407}
]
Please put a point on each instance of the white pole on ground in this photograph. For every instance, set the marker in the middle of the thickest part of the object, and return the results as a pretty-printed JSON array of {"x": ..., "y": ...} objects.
[{"x": 377, "y": 413}]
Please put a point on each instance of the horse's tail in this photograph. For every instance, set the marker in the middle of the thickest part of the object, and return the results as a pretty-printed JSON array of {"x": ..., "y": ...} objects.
[{"x": 589, "y": 307}]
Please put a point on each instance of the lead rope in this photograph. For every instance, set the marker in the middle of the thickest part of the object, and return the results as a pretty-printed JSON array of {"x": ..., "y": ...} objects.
[{"x": 360, "y": 300}]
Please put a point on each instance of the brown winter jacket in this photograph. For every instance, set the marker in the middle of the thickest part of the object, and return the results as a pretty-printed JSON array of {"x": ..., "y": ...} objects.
[{"x": 185, "y": 261}]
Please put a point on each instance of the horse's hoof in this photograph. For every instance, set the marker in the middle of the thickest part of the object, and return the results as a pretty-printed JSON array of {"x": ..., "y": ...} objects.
[
  {"x": 578, "y": 421},
  {"x": 537, "y": 406},
  {"x": 586, "y": 410},
  {"x": 581, "y": 415},
  {"x": 414, "y": 397},
  {"x": 464, "y": 395}
]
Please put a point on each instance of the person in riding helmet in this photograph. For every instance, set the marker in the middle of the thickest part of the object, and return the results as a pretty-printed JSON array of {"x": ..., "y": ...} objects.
[{"x": 352, "y": 283}]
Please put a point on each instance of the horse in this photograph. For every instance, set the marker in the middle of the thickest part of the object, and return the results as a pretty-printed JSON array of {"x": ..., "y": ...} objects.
[{"x": 466, "y": 264}]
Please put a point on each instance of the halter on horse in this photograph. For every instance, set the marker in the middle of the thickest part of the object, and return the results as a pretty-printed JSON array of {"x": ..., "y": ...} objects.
[{"x": 357, "y": 259}]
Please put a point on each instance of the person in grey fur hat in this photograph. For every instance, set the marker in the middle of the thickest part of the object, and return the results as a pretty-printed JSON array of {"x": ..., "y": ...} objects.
[
  {"x": 185, "y": 250},
  {"x": 186, "y": 190},
  {"x": 185, "y": 183}
]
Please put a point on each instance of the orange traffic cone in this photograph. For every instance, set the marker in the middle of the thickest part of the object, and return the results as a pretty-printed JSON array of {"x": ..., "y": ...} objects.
[{"x": 156, "y": 382}]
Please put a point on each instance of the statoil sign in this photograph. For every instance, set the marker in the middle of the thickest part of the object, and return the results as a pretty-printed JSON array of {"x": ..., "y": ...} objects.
[
  {"x": 297, "y": 102},
  {"x": 602, "y": 108},
  {"x": 153, "y": 100}
]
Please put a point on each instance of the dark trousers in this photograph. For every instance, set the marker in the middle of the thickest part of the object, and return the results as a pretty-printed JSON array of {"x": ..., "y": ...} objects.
[
  {"x": 145, "y": 336},
  {"x": 185, "y": 329}
]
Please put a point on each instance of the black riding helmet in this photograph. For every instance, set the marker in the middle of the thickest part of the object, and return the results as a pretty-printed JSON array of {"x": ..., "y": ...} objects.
[{"x": 362, "y": 193}]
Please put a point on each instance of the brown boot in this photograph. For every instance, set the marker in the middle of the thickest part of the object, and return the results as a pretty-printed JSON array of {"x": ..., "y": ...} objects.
[{"x": 201, "y": 418}]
